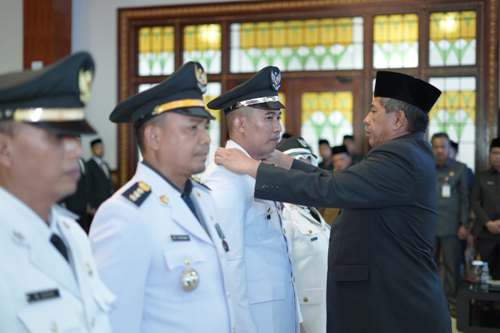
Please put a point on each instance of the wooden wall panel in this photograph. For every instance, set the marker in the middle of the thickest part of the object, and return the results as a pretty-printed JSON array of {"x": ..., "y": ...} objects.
[{"x": 47, "y": 30}]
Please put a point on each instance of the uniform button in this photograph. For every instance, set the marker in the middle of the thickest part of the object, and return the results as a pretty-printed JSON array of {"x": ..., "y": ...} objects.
[
  {"x": 306, "y": 299},
  {"x": 310, "y": 231}
]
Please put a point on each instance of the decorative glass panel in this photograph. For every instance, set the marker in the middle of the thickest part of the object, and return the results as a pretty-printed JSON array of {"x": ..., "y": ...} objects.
[
  {"x": 202, "y": 43},
  {"x": 213, "y": 91},
  {"x": 455, "y": 114},
  {"x": 156, "y": 51},
  {"x": 145, "y": 86},
  {"x": 395, "y": 41},
  {"x": 452, "y": 39},
  {"x": 297, "y": 45},
  {"x": 326, "y": 115}
]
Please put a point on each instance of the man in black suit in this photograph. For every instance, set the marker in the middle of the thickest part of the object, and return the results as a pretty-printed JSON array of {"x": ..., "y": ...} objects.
[
  {"x": 78, "y": 202},
  {"x": 382, "y": 277},
  {"x": 99, "y": 176}
]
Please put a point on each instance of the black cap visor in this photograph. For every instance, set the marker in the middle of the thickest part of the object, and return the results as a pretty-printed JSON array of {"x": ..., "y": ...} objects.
[{"x": 71, "y": 128}]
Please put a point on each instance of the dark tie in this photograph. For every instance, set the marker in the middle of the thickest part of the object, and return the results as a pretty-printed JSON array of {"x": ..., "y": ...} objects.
[
  {"x": 59, "y": 245},
  {"x": 314, "y": 214}
]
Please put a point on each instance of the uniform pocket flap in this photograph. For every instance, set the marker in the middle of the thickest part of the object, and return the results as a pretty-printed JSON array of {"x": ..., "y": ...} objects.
[
  {"x": 313, "y": 296},
  {"x": 350, "y": 273},
  {"x": 182, "y": 255},
  {"x": 48, "y": 318},
  {"x": 263, "y": 291}
]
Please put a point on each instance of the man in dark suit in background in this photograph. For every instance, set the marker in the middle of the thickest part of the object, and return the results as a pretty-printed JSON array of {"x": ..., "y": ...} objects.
[
  {"x": 78, "y": 202},
  {"x": 99, "y": 176},
  {"x": 382, "y": 277}
]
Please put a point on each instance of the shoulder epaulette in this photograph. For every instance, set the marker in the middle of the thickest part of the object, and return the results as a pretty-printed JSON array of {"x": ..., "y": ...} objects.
[
  {"x": 137, "y": 193},
  {"x": 198, "y": 181}
]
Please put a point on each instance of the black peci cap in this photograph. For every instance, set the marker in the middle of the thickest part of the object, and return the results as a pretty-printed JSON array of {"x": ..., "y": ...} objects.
[
  {"x": 52, "y": 98},
  {"x": 407, "y": 89},
  {"x": 339, "y": 150},
  {"x": 260, "y": 91},
  {"x": 182, "y": 93}
]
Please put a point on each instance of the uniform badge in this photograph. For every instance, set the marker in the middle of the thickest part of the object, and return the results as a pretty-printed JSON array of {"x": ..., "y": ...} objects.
[
  {"x": 201, "y": 77},
  {"x": 164, "y": 199},
  {"x": 42, "y": 295},
  {"x": 137, "y": 193},
  {"x": 189, "y": 278},
  {"x": 276, "y": 80},
  {"x": 84, "y": 81}
]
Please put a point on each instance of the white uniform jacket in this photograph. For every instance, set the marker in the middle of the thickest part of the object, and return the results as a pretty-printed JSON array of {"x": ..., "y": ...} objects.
[
  {"x": 145, "y": 240},
  {"x": 308, "y": 241},
  {"x": 39, "y": 290},
  {"x": 264, "y": 299}
]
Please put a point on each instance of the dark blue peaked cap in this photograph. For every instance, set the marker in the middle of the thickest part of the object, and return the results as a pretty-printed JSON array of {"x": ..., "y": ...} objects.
[
  {"x": 52, "y": 97},
  {"x": 182, "y": 93},
  {"x": 260, "y": 91},
  {"x": 407, "y": 89}
]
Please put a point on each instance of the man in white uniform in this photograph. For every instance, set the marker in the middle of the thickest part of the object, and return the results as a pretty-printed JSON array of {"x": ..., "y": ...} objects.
[
  {"x": 48, "y": 280},
  {"x": 265, "y": 301},
  {"x": 156, "y": 240},
  {"x": 308, "y": 236}
]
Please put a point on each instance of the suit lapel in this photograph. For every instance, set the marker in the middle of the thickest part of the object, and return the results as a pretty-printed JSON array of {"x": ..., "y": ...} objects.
[
  {"x": 81, "y": 267},
  {"x": 181, "y": 214},
  {"x": 48, "y": 260}
]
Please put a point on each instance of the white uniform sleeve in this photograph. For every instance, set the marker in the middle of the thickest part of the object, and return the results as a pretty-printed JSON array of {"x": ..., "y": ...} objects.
[
  {"x": 121, "y": 246},
  {"x": 232, "y": 202}
]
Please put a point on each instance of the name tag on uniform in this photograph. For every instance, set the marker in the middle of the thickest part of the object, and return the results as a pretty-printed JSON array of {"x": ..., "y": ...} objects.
[
  {"x": 180, "y": 238},
  {"x": 42, "y": 295},
  {"x": 314, "y": 239},
  {"x": 446, "y": 191}
]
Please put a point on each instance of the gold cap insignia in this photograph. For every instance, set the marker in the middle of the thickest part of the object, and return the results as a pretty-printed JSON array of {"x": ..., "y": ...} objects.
[
  {"x": 84, "y": 82},
  {"x": 201, "y": 77}
]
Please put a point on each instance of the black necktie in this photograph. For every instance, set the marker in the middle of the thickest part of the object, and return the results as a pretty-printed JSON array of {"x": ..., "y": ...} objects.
[
  {"x": 314, "y": 214},
  {"x": 59, "y": 245}
]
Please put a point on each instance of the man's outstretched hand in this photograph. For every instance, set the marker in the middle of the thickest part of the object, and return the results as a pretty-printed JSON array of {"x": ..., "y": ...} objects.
[{"x": 236, "y": 161}]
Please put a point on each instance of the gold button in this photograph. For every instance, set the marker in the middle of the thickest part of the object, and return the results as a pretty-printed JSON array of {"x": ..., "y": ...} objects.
[
  {"x": 306, "y": 299},
  {"x": 310, "y": 231}
]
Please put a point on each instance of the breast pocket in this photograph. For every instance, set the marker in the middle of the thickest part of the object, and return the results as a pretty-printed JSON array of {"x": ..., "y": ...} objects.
[
  {"x": 51, "y": 316},
  {"x": 181, "y": 255}
]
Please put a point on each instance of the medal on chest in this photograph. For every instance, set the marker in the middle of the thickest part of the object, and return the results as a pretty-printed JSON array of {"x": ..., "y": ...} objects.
[{"x": 189, "y": 277}]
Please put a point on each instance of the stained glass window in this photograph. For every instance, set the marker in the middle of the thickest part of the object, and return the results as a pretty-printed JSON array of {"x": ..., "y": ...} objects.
[
  {"x": 145, "y": 86},
  {"x": 395, "y": 41},
  {"x": 156, "y": 51},
  {"x": 202, "y": 43},
  {"x": 455, "y": 113},
  {"x": 297, "y": 45},
  {"x": 452, "y": 39},
  {"x": 326, "y": 115}
]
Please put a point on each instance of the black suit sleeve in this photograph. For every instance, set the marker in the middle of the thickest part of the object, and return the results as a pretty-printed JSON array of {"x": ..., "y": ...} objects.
[
  {"x": 477, "y": 207},
  {"x": 381, "y": 180}
]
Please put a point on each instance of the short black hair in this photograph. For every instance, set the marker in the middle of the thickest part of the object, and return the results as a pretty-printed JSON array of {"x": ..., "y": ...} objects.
[
  {"x": 454, "y": 145},
  {"x": 323, "y": 142},
  {"x": 95, "y": 142},
  {"x": 441, "y": 135},
  {"x": 348, "y": 137}
]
